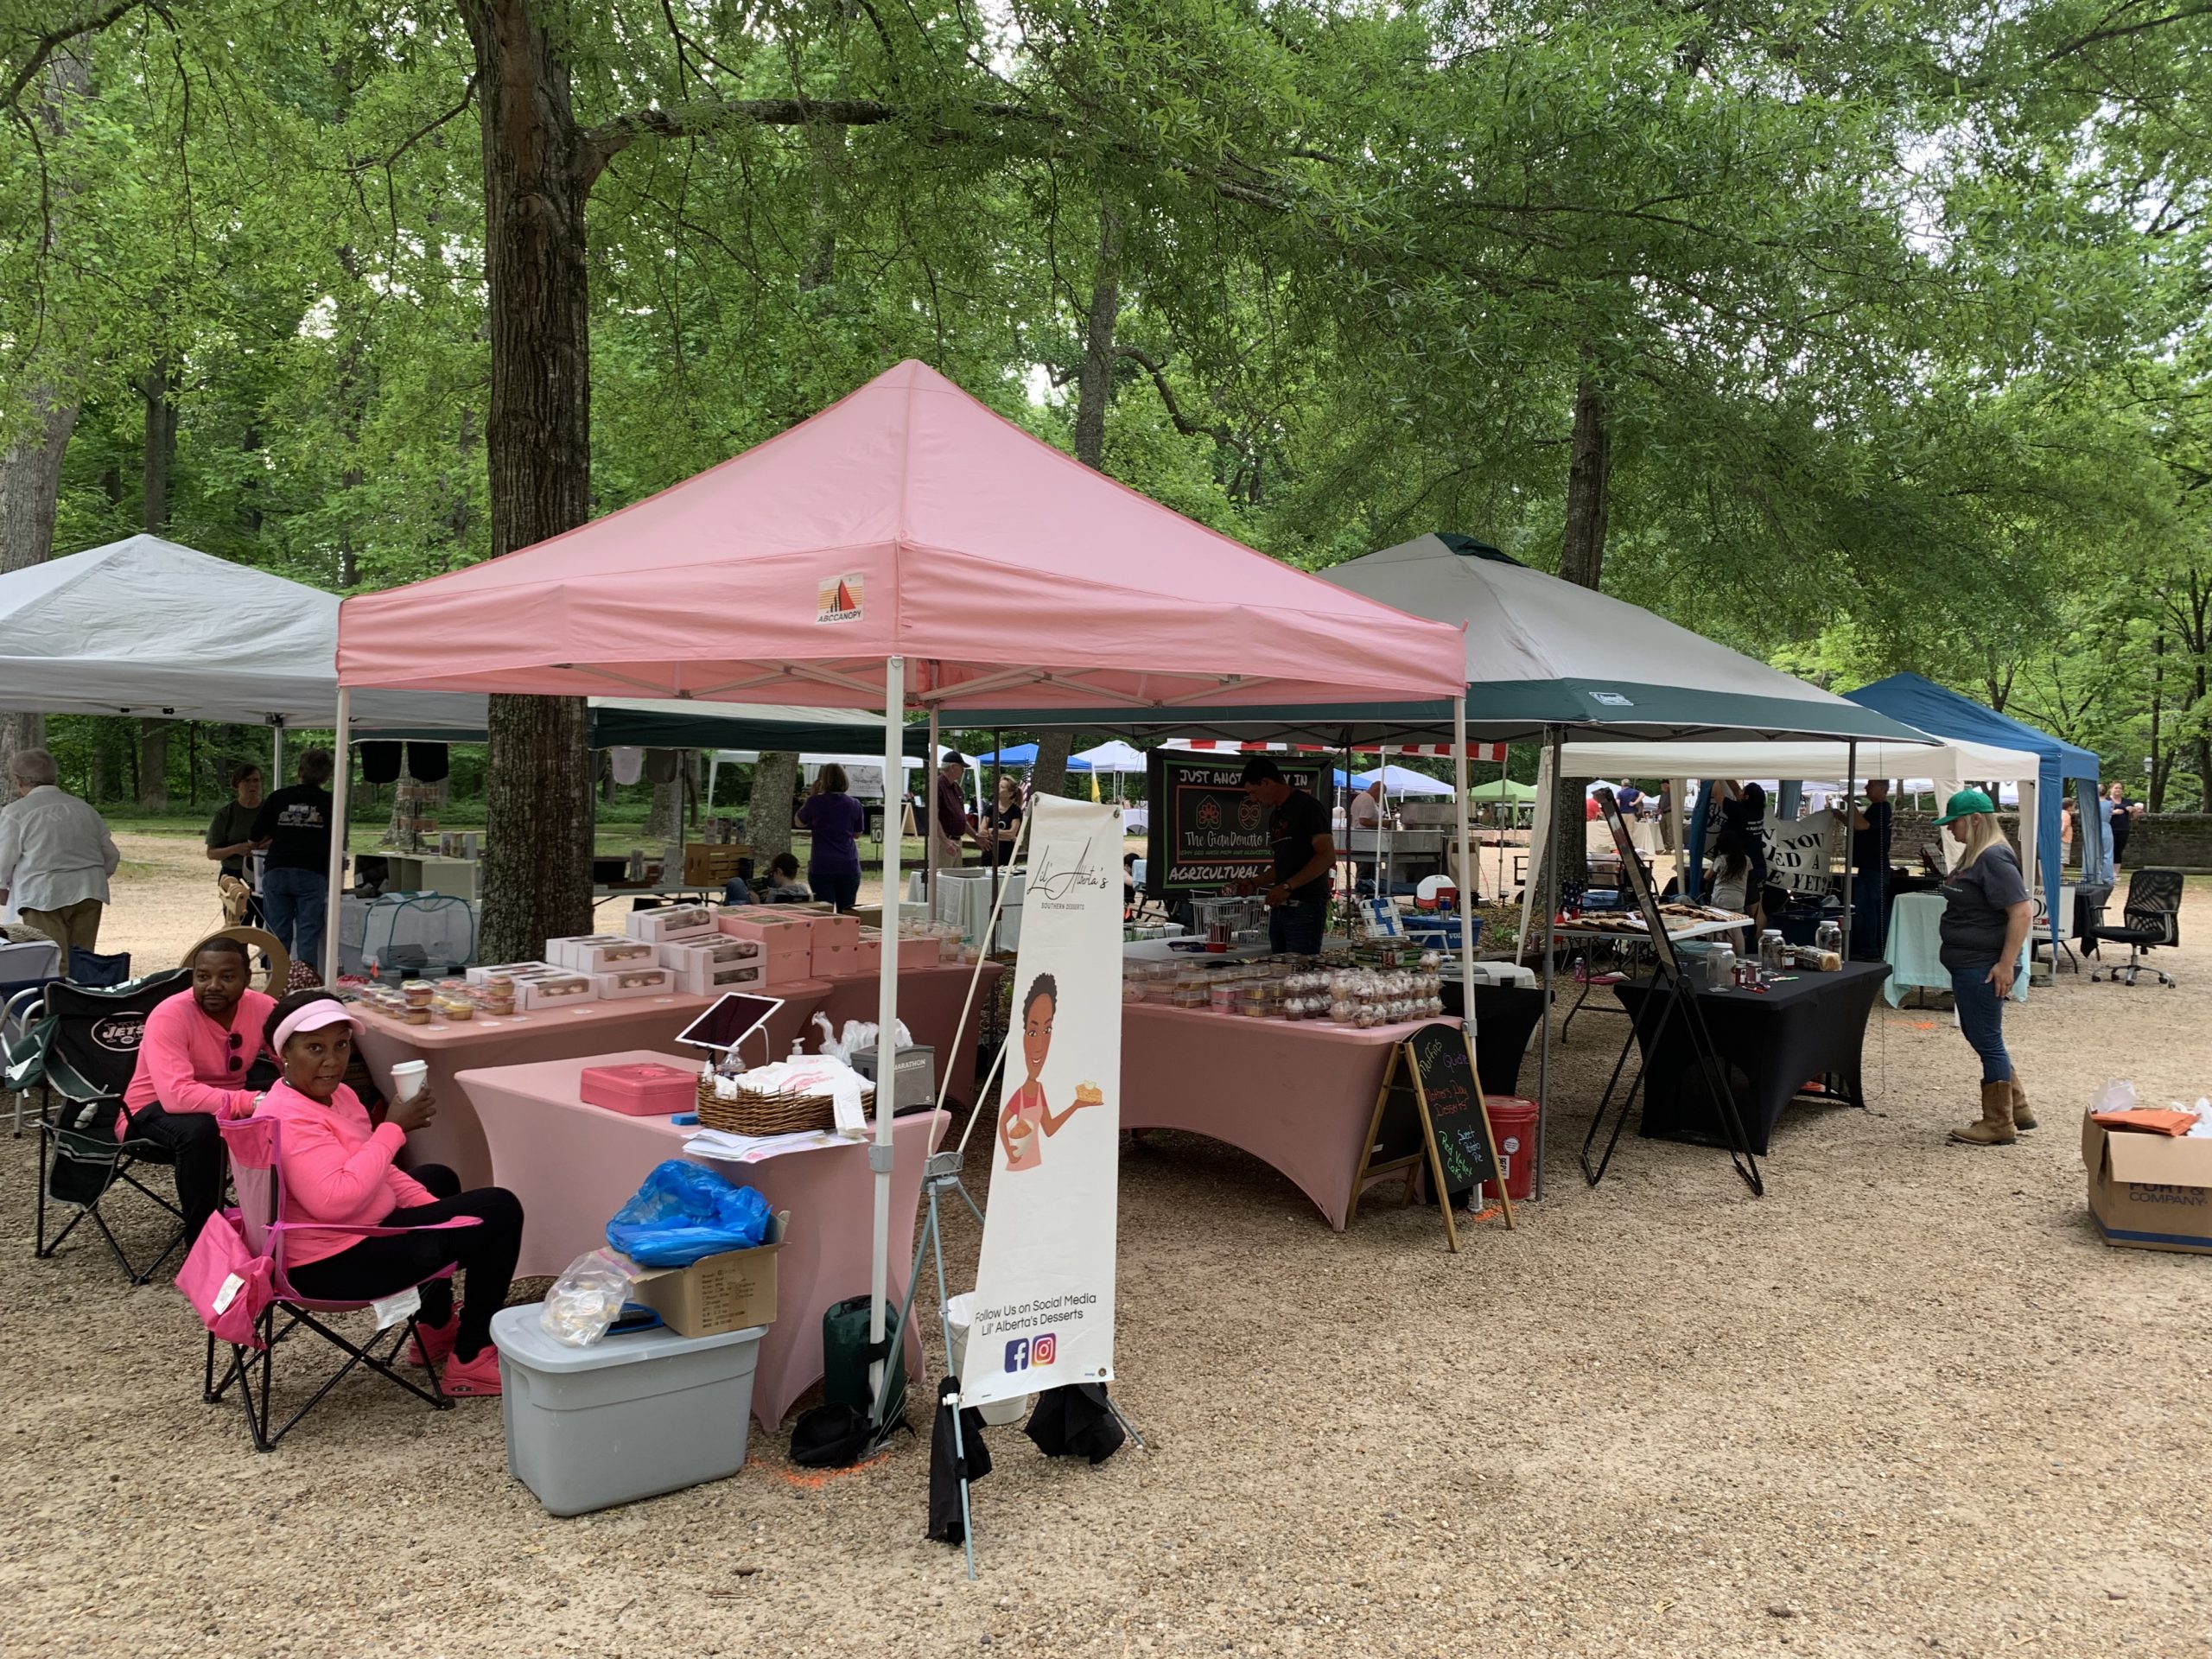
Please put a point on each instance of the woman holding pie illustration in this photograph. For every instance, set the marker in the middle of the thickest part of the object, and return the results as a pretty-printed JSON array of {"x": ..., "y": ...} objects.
[{"x": 1026, "y": 1120}]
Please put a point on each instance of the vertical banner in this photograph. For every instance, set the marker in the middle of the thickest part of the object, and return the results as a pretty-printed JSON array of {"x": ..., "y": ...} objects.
[{"x": 1044, "y": 1286}]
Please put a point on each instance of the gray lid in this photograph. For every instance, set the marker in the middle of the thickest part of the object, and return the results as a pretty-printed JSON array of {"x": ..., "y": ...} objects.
[{"x": 519, "y": 1335}]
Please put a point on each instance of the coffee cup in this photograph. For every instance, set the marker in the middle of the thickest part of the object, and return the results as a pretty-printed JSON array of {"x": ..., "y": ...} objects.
[{"x": 408, "y": 1077}]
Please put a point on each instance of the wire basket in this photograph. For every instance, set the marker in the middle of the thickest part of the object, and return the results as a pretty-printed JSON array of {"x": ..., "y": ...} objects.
[{"x": 777, "y": 1113}]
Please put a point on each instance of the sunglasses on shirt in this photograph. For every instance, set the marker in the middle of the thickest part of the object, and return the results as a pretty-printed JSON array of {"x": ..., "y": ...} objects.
[{"x": 237, "y": 1060}]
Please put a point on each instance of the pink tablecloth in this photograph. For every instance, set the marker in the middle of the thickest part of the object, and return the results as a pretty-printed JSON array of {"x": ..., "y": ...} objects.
[
  {"x": 454, "y": 1138},
  {"x": 1297, "y": 1095},
  {"x": 573, "y": 1166}
]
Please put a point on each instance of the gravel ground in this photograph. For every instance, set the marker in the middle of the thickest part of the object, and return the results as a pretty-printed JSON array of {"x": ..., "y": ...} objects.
[{"x": 1907, "y": 1402}]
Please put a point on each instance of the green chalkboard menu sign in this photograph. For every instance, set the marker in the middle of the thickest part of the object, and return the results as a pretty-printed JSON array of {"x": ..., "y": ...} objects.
[
  {"x": 1445, "y": 1076},
  {"x": 1203, "y": 832},
  {"x": 1430, "y": 1114}
]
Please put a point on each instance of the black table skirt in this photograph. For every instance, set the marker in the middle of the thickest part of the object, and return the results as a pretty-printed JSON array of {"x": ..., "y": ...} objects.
[
  {"x": 1772, "y": 1043},
  {"x": 1505, "y": 1015}
]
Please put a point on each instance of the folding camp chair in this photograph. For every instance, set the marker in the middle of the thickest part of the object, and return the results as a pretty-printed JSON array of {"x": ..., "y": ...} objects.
[
  {"x": 79, "y": 1051},
  {"x": 253, "y": 1143}
]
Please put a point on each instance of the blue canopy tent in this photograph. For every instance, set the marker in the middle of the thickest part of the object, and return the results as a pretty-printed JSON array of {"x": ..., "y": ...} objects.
[
  {"x": 1940, "y": 713},
  {"x": 1024, "y": 754}
]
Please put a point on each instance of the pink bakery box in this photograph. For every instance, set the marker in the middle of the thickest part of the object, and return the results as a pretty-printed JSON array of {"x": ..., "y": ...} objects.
[
  {"x": 833, "y": 961},
  {"x": 843, "y": 932},
  {"x": 912, "y": 953},
  {"x": 866, "y": 957},
  {"x": 645, "y": 1090},
  {"x": 779, "y": 936}
]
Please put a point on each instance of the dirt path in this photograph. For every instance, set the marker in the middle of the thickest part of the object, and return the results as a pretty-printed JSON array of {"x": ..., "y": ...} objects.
[{"x": 1905, "y": 1404}]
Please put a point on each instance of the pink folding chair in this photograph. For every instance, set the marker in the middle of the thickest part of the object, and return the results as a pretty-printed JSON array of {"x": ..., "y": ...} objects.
[{"x": 252, "y": 1144}]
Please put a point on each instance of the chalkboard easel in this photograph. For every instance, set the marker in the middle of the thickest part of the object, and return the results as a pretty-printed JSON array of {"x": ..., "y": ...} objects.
[{"x": 1437, "y": 1117}]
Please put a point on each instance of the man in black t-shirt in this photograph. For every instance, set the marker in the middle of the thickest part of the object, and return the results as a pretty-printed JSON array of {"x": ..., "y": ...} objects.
[
  {"x": 294, "y": 824},
  {"x": 1304, "y": 855}
]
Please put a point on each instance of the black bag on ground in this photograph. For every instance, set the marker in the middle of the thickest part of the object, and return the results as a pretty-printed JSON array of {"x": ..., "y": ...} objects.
[
  {"x": 946, "y": 1464},
  {"x": 1075, "y": 1421}
]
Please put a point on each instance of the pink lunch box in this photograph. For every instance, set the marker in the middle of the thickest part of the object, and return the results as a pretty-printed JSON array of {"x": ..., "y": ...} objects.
[{"x": 647, "y": 1090}]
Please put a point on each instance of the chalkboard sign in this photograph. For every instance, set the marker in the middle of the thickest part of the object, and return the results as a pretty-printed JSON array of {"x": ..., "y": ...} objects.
[
  {"x": 1203, "y": 832},
  {"x": 1444, "y": 1072},
  {"x": 1430, "y": 1112}
]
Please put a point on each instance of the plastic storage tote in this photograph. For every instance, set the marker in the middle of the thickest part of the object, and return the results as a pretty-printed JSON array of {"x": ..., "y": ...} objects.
[{"x": 629, "y": 1417}]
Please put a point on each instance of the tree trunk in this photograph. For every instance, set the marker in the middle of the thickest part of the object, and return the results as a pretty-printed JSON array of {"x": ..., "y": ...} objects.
[
  {"x": 1589, "y": 478},
  {"x": 664, "y": 821},
  {"x": 1582, "y": 561},
  {"x": 537, "y": 446},
  {"x": 1094, "y": 392},
  {"x": 2157, "y": 802},
  {"x": 30, "y": 471},
  {"x": 768, "y": 814},
  {"x": 159, "y": 451},
  {"x": 153, "y": 765}
]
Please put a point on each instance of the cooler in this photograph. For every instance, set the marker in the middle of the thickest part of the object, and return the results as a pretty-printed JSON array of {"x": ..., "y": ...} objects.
[{"x": 629, "y": 1417}]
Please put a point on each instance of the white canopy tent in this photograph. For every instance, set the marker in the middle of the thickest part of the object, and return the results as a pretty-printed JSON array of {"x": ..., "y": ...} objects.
[
  {"x": 1947, "y": 764},
  {"x": 1112, "y": 756},
  {"x": 1402, "y": 780}
]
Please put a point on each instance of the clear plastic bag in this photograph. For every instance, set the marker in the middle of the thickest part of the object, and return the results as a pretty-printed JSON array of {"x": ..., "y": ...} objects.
[{"x": 585, "y": 1299}]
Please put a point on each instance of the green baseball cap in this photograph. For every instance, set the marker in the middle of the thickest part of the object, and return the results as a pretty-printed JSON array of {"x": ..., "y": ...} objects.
[{"x": 1965, "y": 803}]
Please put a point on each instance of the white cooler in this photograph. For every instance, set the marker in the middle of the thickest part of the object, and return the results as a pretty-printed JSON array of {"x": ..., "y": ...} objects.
[{"x": 628, "y": 1417}]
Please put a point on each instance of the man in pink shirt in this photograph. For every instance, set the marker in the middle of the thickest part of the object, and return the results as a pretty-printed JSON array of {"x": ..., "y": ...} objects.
[{"x": 193, "y": 1062}]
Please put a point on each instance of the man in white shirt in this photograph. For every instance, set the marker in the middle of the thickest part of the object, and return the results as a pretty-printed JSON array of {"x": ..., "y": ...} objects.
[
  {"x": 1367, "y": 806},
  {"x": 56, "y": 855}
]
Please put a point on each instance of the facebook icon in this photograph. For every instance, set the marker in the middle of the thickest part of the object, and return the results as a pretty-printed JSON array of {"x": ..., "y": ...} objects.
[{"x": 1017, "y": 1354}]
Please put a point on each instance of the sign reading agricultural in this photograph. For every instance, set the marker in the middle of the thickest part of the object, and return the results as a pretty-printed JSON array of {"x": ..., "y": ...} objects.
[{"x": 1203, "y": 832}]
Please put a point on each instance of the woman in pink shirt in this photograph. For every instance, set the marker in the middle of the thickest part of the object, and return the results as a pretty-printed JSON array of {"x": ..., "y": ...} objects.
[
  {"x": 338, "y": 1169},
  {"x": 193, "y": 1064}
]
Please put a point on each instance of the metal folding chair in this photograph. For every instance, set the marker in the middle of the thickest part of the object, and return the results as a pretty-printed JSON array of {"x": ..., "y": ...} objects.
[
  {"x": 255, "y": 1170},
  {"x": 79, "y": 1051}
]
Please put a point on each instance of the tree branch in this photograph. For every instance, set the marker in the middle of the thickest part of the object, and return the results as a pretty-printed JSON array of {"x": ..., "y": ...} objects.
[{"x": 44, "y": 45}]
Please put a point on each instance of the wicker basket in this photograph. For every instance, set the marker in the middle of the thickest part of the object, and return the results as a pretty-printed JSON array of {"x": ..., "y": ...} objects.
[{"x": 778, "y": 1114}]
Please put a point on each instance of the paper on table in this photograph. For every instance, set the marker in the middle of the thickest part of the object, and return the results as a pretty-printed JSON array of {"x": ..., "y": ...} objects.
[{"x": 726, "y": 1148}]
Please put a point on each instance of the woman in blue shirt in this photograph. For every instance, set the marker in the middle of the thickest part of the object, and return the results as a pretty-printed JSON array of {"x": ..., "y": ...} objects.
[{"x": 833, "y": 866}]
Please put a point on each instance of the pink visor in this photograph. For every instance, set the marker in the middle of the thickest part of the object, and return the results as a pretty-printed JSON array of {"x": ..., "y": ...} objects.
[{"x": 314, "y": 1016}]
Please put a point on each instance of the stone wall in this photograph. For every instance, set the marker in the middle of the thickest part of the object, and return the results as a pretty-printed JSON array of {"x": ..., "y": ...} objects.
[{"x": 2174, "y": 840}]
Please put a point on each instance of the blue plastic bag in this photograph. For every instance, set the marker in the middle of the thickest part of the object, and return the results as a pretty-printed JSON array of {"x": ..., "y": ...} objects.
[{"x": 685, "y": 1211}]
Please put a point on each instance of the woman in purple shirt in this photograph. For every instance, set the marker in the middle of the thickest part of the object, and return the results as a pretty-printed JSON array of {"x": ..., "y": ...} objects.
[{"x": 832, "y": 868}]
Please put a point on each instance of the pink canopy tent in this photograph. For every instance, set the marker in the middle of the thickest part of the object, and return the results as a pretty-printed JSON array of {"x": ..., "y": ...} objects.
[{"x": 906, "y": 547}]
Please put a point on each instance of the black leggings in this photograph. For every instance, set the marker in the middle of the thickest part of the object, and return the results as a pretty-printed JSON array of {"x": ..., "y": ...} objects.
[
  {"x": 192, "y": 1144},
  {"x": 381, "y": 1267}
]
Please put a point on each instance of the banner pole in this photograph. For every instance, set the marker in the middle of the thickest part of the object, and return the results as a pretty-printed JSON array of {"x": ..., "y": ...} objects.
[
  {"x": 1468, "y": 884},
  {"x": 333, "y": 894}
]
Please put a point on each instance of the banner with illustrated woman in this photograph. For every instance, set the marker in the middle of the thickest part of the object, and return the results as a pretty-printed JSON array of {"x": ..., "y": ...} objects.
[{"x": 1044, "y": 1286}]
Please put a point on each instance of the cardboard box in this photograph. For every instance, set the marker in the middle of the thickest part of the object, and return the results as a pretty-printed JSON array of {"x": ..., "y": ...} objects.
[
  {"x": 600, "y": 953},
  {"x": 2149, "y": 1191},
  {"x": 718, "y": 1293},
  {"x": 666, "y": 922},
  {"x": 706, "y": 864}
]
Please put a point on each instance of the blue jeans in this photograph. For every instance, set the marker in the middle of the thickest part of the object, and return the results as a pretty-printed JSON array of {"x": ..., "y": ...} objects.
[
  {"x": 292, "y": 905},
  {"x": 841, "y": 890},
  {"x": 1296, "y": 929},
  {"x": 1981, "y": 1017}
]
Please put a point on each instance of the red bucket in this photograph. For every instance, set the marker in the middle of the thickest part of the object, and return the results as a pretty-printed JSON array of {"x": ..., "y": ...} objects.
[{"x": 1513, "y": 1122}]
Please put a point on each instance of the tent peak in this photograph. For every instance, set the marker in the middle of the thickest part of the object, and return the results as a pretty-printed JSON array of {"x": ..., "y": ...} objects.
[{"x": 1468, "y": 547}]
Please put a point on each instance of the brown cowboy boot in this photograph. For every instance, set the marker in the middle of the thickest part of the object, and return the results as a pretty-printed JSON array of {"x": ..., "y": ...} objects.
[
  {"x": 2022, "y": 1117},
  {"x": 1995, "y": 1128}
]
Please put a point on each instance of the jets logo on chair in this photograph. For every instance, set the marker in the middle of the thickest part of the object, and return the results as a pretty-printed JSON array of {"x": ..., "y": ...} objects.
[{"x": 119, "y": 1033}]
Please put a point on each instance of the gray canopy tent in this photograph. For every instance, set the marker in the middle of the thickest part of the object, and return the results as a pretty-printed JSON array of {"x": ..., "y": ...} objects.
[
  {"x": 1544, "y": 658},
  {"x": 150, "y": 628}
]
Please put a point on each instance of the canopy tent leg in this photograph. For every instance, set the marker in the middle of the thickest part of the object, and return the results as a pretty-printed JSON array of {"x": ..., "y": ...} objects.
[
  {"x": 341, "y": 777},
  {"x": 1467, "y": 883},
  {"x": 1850, "y": 835},
  {"x": 887, "y": 1026},
  {"x": 1554, "y": 742},
  {"x": 928, "y": 816},
  {"x": 275, "y": 753}
]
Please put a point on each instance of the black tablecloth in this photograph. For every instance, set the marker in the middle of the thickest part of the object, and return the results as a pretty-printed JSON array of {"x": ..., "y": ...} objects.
[
  {"x": 1772, "y": 1042},
  {"x": 1505, "y": 1017}
]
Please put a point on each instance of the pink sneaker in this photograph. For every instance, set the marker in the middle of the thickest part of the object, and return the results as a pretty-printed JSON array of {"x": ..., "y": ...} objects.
[
  {"x": 432, "y": 1344},
  {"x": 465, "y": 1379}
]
